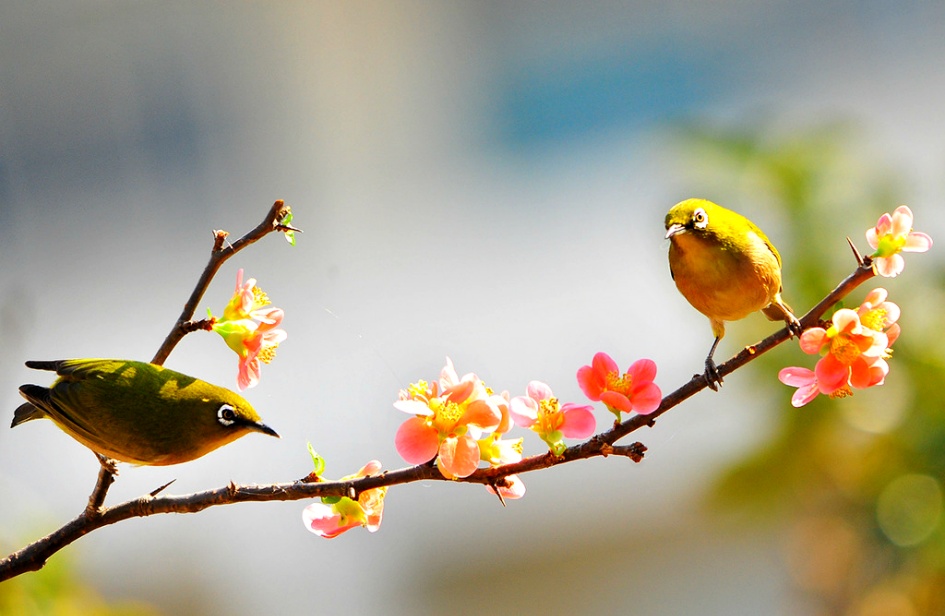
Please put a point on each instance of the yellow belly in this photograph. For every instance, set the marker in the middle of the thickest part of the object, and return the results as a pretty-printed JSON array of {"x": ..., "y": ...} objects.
[{"x": 723, "y": 283}]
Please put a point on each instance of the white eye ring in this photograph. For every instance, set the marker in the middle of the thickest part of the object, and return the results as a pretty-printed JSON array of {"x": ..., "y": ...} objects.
[
  {"x": 700, "y": 219},
  {"x": 226, "y": 415}
]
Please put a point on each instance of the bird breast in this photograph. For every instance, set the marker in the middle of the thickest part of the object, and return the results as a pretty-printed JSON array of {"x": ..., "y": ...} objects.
[{"x": 722, "y": 281}]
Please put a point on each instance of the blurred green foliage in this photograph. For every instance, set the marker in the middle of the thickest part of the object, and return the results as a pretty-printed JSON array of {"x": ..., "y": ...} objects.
[
  {"x": 853, "y": 485},
  {"x": 55, "y": 590}
]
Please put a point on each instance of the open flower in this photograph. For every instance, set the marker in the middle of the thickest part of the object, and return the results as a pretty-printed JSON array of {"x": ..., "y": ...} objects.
[
  {"x": 449, "y": 418},
  {"x": 891, "y": 235},
  {"x": 540, "y": 411},
  {"x": 634, "y": 390},
  {"x": 337, "y": 514},
  {"x": 880, "y": 315},
  {"x": 849, "y": 352},
  {"x": 249, "y": 327},
  {"x": 854, "y": 349}
]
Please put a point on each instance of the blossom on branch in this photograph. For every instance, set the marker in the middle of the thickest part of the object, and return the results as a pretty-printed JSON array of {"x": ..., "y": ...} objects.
[
  {"x": 449, "y": 419},
  {"x": 337, "y": 514},
  {"x": 249, "y": 327},
  {"x": 893, "y": 234},
  {"x": 634, "y": 390},
  {"x": 496, "y": 451},
  {"x": 540, "y": 411},
  {"x": 854, "y": 349}
]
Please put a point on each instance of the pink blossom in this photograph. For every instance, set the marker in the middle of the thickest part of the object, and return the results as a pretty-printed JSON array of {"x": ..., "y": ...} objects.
[
  {"x": 249, "y": 327},
  {"x": 540, "y": 411},
  {"x": 891, "y": 235},
  {"x": 335, "y": 515},
  {"x": 849, "y": 351},
  {"x": 634, "y": 390},
  {"x": 854, "y": 350},
  {"x": 449, "y": 417}
]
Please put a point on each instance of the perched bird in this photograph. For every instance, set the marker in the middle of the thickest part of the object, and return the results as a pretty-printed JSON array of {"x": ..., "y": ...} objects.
[
  {"x": 136, "y": 412},
  {"x": 726, "y": 267}
]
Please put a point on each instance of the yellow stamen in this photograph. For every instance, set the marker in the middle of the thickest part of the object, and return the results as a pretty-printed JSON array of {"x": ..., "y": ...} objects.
[
  {"x": 619, "y": 383},
  {"x": 844, "y": 350},
  {"x": 875, "y": 319},
  {"x": 418, "y": 389},
  {"x": 550, "y": 416},
  {"x": 843, "y": 392},
  {"x": 260, "y": 298},
  {"x": 267, "y": 354}
]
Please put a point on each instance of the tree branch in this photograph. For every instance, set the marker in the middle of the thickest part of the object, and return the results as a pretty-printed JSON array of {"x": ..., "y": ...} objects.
[
  {"x": 220, "y": 252},
  {"x": 34, "y": 556}
]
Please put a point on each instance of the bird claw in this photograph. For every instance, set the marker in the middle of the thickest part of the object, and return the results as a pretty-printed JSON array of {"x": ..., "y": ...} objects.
[
  {"x": 712, "y": 377},
  {"x": 794, "y": 326}
]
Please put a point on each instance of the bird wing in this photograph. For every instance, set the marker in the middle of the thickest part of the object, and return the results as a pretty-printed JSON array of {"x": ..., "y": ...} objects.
[{"x": 45, "y": 403}]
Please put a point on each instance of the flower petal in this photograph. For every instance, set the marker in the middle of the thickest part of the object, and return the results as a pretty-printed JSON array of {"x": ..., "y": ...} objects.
[
  {"x": 796, "y": 376},
  {"x": 324, "y": 521},
  {"x": 616, "y": 400},
  {"x": 536, "y": 390},
  {"x": 481, "y": 414},
  {"x": 458, "y": 456},
  {"x": 646, "y": 399},
  {"x": 804, "y": 394},
  {"x": 591, "y": 382},
  {"x": 524, "y": 411},
  {"x": 642, "y": 370},
  {"x": 813, "y": 339},
  {"x": 416, "y": 441},
  {"x": 917, "y": 242},
  {"x": 579, "y": 421},
  {"x": 414, "y": 407}
]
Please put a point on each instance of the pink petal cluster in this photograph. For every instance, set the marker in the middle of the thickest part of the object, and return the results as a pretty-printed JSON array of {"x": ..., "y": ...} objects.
[
  {"x": 540, "y": 411},
  {"x": 634, "y": 390},
  {"x": 854, "y": 350},
  {"x": 893, "y": 234},
  {"x": 449, "y": 416},
  {"x": 249, "y": 327},
  {"x": 335, "y": 515}
]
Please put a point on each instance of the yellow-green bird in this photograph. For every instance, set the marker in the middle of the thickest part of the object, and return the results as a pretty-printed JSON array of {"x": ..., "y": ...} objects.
[
  {"x": 137, "y": 412},
  {"x": 726, "y": 267}
]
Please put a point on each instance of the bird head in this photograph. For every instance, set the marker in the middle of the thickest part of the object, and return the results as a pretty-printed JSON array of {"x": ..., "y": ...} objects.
[{"x": 690, "y": 216}]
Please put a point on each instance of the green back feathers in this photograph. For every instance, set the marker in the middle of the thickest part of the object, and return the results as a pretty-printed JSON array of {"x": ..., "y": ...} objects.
[{"x": 138, "y": 412}]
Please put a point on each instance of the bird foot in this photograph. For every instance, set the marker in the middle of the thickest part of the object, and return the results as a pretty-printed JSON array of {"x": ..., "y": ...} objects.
[
  {"x": 794, "y": 326},
  {"x": 712, "y": 377}
]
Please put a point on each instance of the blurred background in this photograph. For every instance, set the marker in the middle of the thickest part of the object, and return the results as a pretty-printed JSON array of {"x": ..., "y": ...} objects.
[{"x": 485, "y": 181}]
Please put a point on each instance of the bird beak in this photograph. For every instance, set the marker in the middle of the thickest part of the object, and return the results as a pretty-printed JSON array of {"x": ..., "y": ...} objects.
[
  {"x": 261, "y": 427},
  {"x": 674, "y": 229}
]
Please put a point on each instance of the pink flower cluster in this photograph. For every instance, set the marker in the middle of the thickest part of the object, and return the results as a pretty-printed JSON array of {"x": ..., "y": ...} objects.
[
  {"x": 249, "y": 327},
  {"x": 854, "y": 350},
  {"x": 459, "y": 422},
  {"x": 449, "y": 419}
]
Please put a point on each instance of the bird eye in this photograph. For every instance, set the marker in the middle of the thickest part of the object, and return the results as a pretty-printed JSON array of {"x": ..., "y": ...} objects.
[
  {"x": 226, "y": 415},
  {"x": 700, "y": 219}
]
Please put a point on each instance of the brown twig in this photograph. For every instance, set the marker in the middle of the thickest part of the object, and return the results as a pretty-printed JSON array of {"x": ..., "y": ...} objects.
[
  {"x": 222, "y": 250},
  {"x": 33, "y": 556}
]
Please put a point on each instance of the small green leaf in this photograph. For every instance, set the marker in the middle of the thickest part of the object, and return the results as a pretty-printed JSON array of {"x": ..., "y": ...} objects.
[{"x": 317, "y": 460}]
